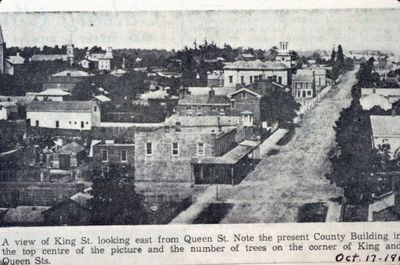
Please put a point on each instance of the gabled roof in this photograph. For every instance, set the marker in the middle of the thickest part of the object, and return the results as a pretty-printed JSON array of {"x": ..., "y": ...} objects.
[
  {"x": 102, "y": 98},
  {"x": 256, "y": 65},
  {"x": 61, "y": 106},
  {"x": 53, "y": 92},
  {"x": 204, "y": 100},
  {"x": 385, "y": 125},
  {"x": 16, "y": 59},
  {"x": 245, "y": 90}
]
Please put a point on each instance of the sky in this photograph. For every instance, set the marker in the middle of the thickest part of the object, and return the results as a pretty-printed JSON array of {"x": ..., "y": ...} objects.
[{"x": 304, "y": 29}]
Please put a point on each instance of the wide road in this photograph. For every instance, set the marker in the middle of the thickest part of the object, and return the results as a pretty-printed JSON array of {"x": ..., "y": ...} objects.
[{"x": 294, "y": 175}]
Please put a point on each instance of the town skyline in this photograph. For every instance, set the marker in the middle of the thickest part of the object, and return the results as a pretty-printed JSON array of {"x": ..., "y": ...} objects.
[{"x": 355, "y": 29}]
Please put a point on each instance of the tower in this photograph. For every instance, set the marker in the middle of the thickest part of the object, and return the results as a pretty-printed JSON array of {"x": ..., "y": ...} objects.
[
  {"x": 2, "y": 52},
  {"x": 70, "y": 54},
  {"x": 284, "y": 54}
]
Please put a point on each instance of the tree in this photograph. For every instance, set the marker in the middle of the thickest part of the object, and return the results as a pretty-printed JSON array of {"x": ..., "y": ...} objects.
[
  {"x": 352, "y": 166},
  {"x": 278, "y": 105},
  {"x": 339, "y": 57},
  {"x": 333, "y": 56},
  {"x": 115, "y": 201}
]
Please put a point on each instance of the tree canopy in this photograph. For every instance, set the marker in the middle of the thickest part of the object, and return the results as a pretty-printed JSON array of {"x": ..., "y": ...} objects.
[{"x": 115, "y": 201}]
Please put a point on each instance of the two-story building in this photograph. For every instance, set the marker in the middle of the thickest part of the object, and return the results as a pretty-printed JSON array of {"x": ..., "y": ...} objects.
[
  {"x": 303, "y": 86},
  {"x": 196, "y": 155},
  {"x": 246, "y": 103},
  {"x": 111, "y": 153},
  {"x": 249, "y": 72},
  {"x": 74, "y": 115},
  {"x": 203, "y": 105},
  {"x": 101, "y": 61}
]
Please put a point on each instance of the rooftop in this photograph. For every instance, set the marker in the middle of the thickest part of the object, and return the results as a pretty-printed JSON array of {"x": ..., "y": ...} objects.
[
  {"x": 48, "y": 57},
  {"x": 102, "y": 98},
  {"x": 204, "y": 90},
  {"x": 203, "y": 121},
  {"x": 204, "y": 100},
  {"x": 61, "y": 106},
  {"x": 74, "y": 73},
  {"x": 25, "y": 215},
  {"x": 7, "y": 104},
  {"x": 369, "y": 101},
  {"x": 71, "y": 148},
  {"x": 256, "y": 65},
  {"x": 53, "y": 92},
  {"x": 385, "y": 125}
]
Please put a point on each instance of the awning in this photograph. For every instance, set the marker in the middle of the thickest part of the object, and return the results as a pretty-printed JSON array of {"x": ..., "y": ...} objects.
[{"x": 232, "y": 157}]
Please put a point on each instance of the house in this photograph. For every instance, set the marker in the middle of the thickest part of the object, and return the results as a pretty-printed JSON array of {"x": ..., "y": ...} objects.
[
  {"x": 69, "y": 212},
  {"x": 68, "y": 57},
  {"x": 392, "y": 94},
  {"x": 203, "y": 105},
  {"x": 106, "y": 154},
  {"x": 375, "y": 100},
  {"x": 8, "y": 110},
  {"x": 101, "y": 61},
  {"x": 65, "y": 80},
  {"x": 283, "y": 55},
  {"x": 13, "y": 62},
  {"x": 53, "y": 94},
  {"x": 215, "y": 79},
  {"x": 246, "y": 103},
  {"x": 196, "y": 155},
  {"x": 74, "y": 115},
  {"x": 69, "y": 156},
  {"x": 303, "y": 86},
  {"x": 319, "y": 74},
  {"x": 249, "y": 72},
  {"x": 386, "y": 131}
]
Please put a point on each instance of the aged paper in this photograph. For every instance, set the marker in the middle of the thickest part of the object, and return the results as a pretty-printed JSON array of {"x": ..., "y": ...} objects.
[{"x": 225, "y": 132}]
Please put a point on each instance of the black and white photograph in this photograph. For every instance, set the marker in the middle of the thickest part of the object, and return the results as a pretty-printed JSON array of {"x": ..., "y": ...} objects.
[{"x": 199, "y": 117}]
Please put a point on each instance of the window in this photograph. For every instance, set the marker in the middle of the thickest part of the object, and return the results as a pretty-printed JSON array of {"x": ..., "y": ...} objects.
[
  {"x": 175, "y": 149},
  {"x": 37, "y": 123},
  {"x": 255, "y": 79},
  {"x": 230, "y": 79},
  {"x": 95, "y": 108},
  {"x": 149, "y": 149},
  {"x": 189, "y": 107},
  {"x": 244, "y": 95},
  {"x": 251, "y": 79},
  {"x": 232, "y": 104},
  {"x": 57, "y": 124},
  {"x": 200, "y": 149},
  {"x": 124, "y": 156},
  {"x": 259, "y": 77},
  {"x": 242, "y": 79},
  {"x": 280, "y": 79},
  {"x": 308, "y": 93},
  {"x": 104, "y": 156}
]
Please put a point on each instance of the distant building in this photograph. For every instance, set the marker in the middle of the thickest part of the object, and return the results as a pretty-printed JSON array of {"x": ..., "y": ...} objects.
[
  {"x": 246, "y": 103},
  {"x": 283, "y": 55},
  {"x": 53, "y": 95},
  {"x": 101, "y": 61},
  {"x": 68, "y": 57},
  {"x": 249, "y": 72},
  {"x": 386, "y": 131},
  {"x": 303, "y": 86},
  {"x": 106, "y": 154},
  {"x": 69, "y": 156},
  {"x": 203, "y": 105},
  {"x": 391, "y": 94},
  {"x": 319, "y": 75},
  {"x": 215, "y": 79},
  {"x": 8, "y": 110},
  {"x": 65, "y": 80},
  {"x": 75, "y": 115}
]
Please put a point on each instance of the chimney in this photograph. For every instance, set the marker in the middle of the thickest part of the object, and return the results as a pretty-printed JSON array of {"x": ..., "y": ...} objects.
[
  {"x": 18, "y": 54},
  {"x": 211, "y": 93},
  {"x": 219, "y": 124}
]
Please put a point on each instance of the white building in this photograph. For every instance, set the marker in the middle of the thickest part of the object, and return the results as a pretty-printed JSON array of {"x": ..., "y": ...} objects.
[
  {"x": 283, "y": 55},
  {"x": 7, "y": 109},
  {"x": 75, "y": 115},
  {"x": 392, "y": 94},
  {"x": 386, "y": 130},
  {"x": 102, "y": 61},
  {"x": 249, "y": 72},
  {"x": 372, "y": 100}
]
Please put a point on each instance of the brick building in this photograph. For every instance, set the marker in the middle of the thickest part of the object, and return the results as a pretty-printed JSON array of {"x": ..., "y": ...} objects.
[{"x": 106, "y": 154}]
